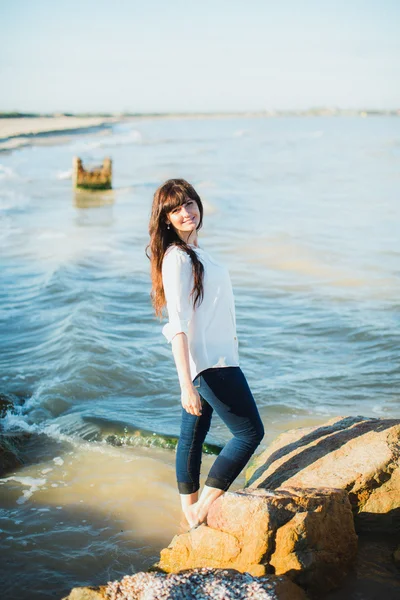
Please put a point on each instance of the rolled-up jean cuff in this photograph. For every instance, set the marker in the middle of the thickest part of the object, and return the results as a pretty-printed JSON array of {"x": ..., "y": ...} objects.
[
  {"x": 187, "y": 488},
  {"x": 217, "y": 483}
]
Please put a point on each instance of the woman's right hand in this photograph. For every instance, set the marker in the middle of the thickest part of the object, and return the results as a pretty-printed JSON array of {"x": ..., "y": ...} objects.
[{"x": 191, "y": 400}]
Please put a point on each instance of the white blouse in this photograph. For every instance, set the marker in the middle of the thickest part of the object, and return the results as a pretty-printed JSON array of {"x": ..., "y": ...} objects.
[{"x": 210, "y": 327}]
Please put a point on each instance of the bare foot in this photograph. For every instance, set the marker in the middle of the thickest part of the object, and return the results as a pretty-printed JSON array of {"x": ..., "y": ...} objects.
[
  {"x": 208, "y": 496},
  {"x": 196, "y": 512},
  {"x": 192, "y": 516}
]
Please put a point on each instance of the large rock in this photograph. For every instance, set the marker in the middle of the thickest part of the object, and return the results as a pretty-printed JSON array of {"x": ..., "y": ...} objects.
[
  {"x": 199, "y": 584},
  {"x": 6, "y": 404},
  {"x": 306, "y": 534},
  {"x": 396, "y": 557},
  {"x": 9, "y": 457},
  {"x": 355, "y": 454},
  {"x": 10, "y": 441}
]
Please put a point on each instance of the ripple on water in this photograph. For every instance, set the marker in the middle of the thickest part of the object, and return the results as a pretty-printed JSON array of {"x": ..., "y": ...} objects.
[{"x": 308, "y": 226}]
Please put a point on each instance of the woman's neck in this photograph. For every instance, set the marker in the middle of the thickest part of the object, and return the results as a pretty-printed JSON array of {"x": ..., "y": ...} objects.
[{"x": 190, "y": 242}]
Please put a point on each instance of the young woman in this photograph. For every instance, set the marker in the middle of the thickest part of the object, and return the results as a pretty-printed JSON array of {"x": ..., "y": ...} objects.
[{"x": 198, "y": 295}]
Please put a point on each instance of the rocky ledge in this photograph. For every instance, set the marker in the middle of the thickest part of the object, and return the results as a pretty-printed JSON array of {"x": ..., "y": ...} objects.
[
  {"x": 196, "y": 584},
  {"x": 294, "y": 524},
  {"x": 355, "y": 454},
  {"x": 11, "y": 442},
  {"x": 307, "y": 535}
]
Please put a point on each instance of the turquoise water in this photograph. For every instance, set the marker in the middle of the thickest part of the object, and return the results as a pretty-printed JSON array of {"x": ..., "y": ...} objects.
[{"x": 304, "y": 211}]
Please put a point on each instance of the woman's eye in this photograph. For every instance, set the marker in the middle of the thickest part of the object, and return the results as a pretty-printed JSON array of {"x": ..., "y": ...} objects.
[{"x": 189, "y": 202}]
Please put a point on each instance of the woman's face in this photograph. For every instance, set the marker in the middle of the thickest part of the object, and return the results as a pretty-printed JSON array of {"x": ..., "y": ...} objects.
[{"x": 185, "y": 218}]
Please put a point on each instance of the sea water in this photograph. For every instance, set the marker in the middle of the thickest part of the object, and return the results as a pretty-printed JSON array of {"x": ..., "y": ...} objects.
[{"x": 305, "y": 213}]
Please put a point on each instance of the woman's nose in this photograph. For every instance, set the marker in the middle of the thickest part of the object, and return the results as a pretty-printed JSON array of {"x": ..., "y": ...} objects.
[{"x": 185, "y": 211}]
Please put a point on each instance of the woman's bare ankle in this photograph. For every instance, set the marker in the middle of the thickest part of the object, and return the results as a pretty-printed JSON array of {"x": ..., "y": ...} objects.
[
  {"x": 188, "y": 499},
  {"x": 207, "y": 497},
  {"x": 196, "y": 511},
  {"x": 191, "y": 515}
]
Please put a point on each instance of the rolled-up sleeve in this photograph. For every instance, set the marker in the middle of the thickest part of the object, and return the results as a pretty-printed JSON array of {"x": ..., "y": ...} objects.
[{"x": 177, "y": 279}]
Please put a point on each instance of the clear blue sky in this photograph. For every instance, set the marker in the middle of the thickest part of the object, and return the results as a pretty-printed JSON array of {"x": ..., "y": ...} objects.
[{"x": 177, "y": 55}]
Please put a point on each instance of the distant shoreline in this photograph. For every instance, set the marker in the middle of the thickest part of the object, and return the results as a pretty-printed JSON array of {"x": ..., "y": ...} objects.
[
  {"x": 317, "y": 111},
  {"x": 16, "y": 132},
  {"x": 28, "y": 126},
  {"x": 18, "y": 129}
]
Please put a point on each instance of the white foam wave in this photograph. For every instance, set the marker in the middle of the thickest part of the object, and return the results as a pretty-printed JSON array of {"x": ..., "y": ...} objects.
[
  {"x": 83, "y": 146},
  {"x": 34, "y": 484},
  {"x": 11, "y": 200},
  {"x": 50, "y": 235},
  {"x": 17, "y": 422},
  {"x": 241, "y": 133},
  {"x": 13, "y": 143},
  {"x": 16, "y": 418},
  {"x": 54, "y": 431},
  {"x": 125, "y": 138},
  {"x": 7, "y": 172},
  {"x": 64, "y": 174}
]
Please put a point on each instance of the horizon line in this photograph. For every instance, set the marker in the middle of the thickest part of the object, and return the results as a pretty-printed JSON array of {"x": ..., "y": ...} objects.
[{"x": 322, "y": 110}]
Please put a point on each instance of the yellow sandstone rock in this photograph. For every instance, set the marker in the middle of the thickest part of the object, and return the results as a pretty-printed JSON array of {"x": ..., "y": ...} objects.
[
  {"x": 87, "y": 593},
  {"x": 355, "y": 454},
  {"x": 305, "y": 534}
]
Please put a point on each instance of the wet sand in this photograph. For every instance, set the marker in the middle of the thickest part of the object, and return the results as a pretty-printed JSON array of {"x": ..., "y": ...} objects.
[{"x": 34, "y": 125}]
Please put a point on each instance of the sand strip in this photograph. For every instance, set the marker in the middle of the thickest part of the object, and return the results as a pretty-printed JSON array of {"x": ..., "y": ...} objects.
[{"x": 15, "y": 133}]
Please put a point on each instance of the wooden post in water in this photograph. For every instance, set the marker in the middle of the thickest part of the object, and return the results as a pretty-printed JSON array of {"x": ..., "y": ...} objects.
[{"x": 98, "y": 178}]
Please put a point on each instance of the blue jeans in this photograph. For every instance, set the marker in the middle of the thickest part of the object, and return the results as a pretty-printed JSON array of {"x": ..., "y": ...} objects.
[{"x": 225, "y": 390}]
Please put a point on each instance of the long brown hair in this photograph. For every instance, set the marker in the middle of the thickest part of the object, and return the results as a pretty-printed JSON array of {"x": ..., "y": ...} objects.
[{"x": 168, "y": 196}]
